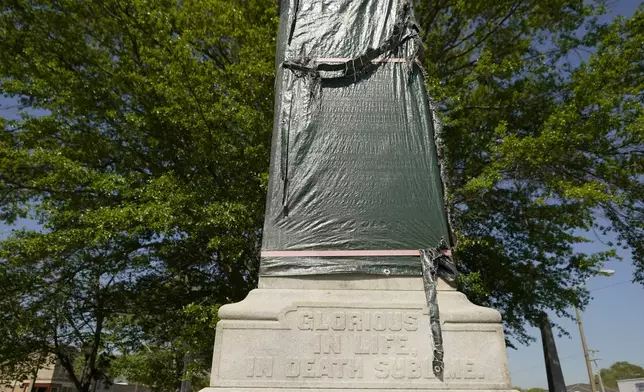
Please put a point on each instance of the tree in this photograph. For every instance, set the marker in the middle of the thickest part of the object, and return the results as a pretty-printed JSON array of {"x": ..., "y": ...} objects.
[
  {"x": 535, "y": 389},
  {"x": 620, "y": 371},
  {"x": 172, "y": 351},
  {"x": 146, "y": 168},
  {"x": 147, "y": 163},
  {"x": 539, "y": 143},
  {"x": 59, "y": 307}
]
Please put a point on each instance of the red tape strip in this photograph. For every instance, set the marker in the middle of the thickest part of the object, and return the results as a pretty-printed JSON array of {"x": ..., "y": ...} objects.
[
  {"x": 344, "y": 60},
  {"x": 339, "y": 253}
]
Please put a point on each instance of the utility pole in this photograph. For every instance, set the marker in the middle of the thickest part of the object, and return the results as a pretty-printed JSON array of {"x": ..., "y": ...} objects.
[
  {"x": 593, "y": 387},
  {"x": 591, "y": 378},
  {"x": 599, "y": 370}
]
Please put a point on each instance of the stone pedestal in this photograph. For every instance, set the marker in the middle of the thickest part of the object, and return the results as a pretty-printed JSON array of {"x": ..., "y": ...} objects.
[{"x": 354, "y": 333}]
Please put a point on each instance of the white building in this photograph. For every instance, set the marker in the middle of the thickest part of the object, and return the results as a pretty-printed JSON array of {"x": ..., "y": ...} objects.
[{"x": 631, "y": 385}]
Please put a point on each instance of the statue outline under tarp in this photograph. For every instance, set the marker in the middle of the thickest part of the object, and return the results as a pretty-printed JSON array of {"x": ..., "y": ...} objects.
[{"x": 355, "y": 180}]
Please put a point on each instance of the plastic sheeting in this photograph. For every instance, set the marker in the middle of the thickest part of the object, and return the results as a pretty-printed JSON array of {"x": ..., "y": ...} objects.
[
  {"x": 355, "y": 181},
  {"x": 354, "y": 162}
]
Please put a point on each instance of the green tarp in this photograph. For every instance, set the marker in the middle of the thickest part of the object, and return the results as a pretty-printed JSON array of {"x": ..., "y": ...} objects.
[{"x": 354, "y": 162}]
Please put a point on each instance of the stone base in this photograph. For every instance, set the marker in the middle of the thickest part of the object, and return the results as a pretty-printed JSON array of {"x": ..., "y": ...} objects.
[
  {"x": 381, "y": 389},
  {"x": 358, "y": 333}
]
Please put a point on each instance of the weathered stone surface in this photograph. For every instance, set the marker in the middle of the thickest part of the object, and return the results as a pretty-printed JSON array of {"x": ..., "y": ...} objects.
[{"x": 357, "y": 333}]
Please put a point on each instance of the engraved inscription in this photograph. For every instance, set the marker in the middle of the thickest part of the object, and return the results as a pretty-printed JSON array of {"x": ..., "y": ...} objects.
[
  {"x": 414, "y": 368},
  {"x": 329, "y": 367},
  {"x": 349, "y": 344},
  {"x": 382, "y": 344},
  {"x": 357, "y": 321},
  {"x": 327, "y": 344},
  {"x": 259, "y": 367}
]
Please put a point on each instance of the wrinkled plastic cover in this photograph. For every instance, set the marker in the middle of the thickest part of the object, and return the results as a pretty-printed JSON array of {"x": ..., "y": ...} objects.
[{"x": 353, "y": 162}]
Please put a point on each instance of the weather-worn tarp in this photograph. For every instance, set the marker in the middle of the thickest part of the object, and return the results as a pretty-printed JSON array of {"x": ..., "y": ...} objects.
[{"x": 354, "y": 162}]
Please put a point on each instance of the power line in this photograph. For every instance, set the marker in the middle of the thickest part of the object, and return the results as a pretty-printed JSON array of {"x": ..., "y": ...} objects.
[
  {"x": 535, "y": 366},
  {"x": 611, "y": 285}
]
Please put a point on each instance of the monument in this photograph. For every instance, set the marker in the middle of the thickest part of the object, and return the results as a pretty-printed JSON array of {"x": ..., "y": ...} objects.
[{"x": 355, "y": 289}]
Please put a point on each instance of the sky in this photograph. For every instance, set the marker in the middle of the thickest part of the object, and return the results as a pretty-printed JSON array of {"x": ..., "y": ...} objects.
[
  {"x": 613, "y": 321},
  {"x": 613, "y": 325}
]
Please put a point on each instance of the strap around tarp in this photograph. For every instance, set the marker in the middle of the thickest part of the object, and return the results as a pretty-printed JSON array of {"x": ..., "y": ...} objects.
[{"x": 436, "y": 264}]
